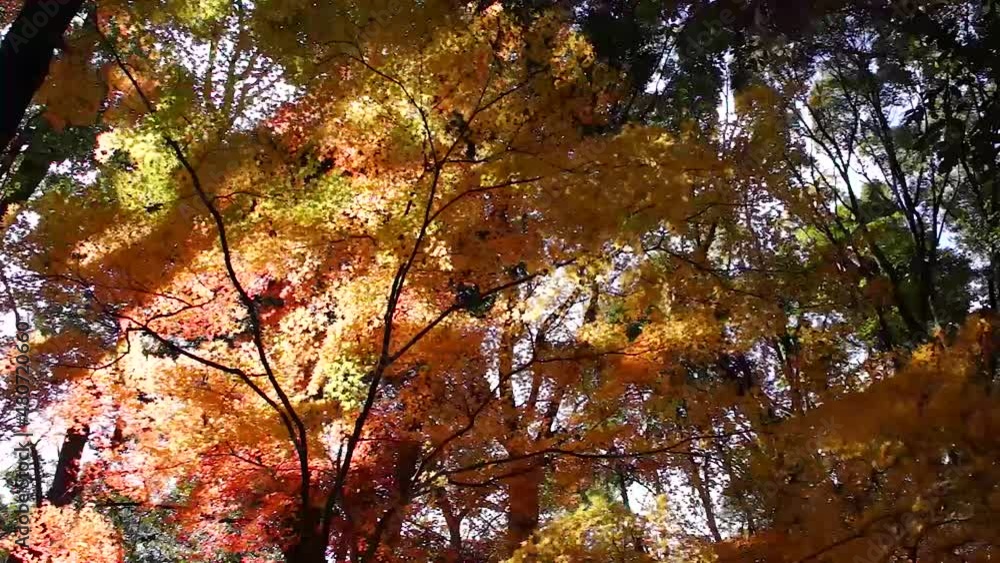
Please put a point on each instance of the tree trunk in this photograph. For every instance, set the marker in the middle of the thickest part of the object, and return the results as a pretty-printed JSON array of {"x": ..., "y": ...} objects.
[
  {"x": 701, "y": 487},
  {"x": 638, "y": 542},
  {"x": 390, "y": 525},
  {"x": 25, "y": 54},
  {"x": 454, "y": 523},
  {"x": 727, "y": 464},
  {"x": 41, "y": 153},
  {"x": 66, "y": 482},
  {"x": 310, "y": 546},
  {"x": 523, "y": 506}
]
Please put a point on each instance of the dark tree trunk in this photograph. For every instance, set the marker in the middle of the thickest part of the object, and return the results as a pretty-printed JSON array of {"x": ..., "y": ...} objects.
[
  {"x": 42, "y": 151},
  {"x": 705, "y": 495},
  {"x": 25, "y": 54},
  {"x": 66, "y": 482},
  {"x": 407, "y": 457},
  {"x": 310, "y": 546},
  {"x": 454, "y": 522},
  {"x": 524, "y": 506}
]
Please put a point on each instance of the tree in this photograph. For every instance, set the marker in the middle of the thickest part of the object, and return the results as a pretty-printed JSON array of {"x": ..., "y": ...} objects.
[
  {"x": 445, "y": 281},
  {"x": 399, "y": 149},
  {"x": 25, "y": 53}
]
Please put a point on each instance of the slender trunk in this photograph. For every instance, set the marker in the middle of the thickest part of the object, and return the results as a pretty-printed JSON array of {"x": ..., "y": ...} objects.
[
  {"x": 36, "y": 466},
  {"x": 702, "y": 488},
  {"x": 454, "y": 523},
  {"x": 637, "y": 540},
  {"x": 523, "y": 506},
  {"x": 741, "y": 500},
  {"x": 622, "y": 483},
  {"x": 993, "y": 281},
  {"x": 524, "y": 486},
  {"x": 406, "y": 463},
  {"x": 508, "y": 404},
  {"x": 786, "y": 356},
  {"x": 926, "y": 265}
]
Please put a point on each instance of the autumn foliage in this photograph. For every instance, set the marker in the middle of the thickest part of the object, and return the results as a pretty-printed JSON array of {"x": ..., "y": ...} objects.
[{"x": 435, "y": 281}]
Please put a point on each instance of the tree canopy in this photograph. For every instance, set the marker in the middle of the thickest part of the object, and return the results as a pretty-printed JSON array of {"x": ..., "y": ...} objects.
[{"x": 475, "y": 282}]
